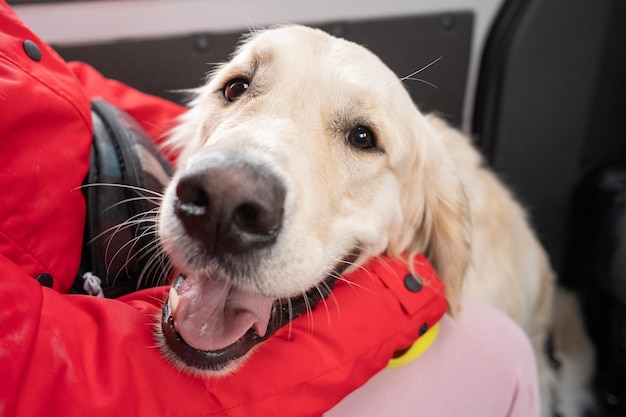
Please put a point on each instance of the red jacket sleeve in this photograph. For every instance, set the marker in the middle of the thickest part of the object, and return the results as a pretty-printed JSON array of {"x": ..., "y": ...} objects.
[
  {"x": 76, "y": 355},
  {"x": 70, "y": 356}
]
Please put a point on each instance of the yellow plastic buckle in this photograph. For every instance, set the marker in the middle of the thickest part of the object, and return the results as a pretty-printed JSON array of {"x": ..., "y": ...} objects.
[{"x": 416, "y": 349}]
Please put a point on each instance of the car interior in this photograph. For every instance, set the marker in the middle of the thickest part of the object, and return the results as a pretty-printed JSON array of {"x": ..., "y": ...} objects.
[{"x": 543, "y": 97}]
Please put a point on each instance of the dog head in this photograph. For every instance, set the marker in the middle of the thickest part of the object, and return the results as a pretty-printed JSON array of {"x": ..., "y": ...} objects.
[{"x": 300, "y": 158}]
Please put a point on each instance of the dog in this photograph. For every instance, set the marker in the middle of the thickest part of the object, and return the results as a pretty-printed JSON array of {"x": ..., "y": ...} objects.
[{"x": 304, "y": 156}]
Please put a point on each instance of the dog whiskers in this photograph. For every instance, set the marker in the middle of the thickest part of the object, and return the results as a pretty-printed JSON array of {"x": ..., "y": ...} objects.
[
  {"x": 144, "y": 228},
  {"x": 132, "y": 243},
  {"x": 327, "y": 290},
  {"x": 411, "y": 76},
  {"x": 352, "y": 284},
  {"x": 148, "y": 217},
  {"x": 385, "y": 263},
  {"x": 153, "y": 200},
  {"x": 290, "y": 307},
  {"x": 246, "y": 20},
  {"x": 309, "y": 310},
  {"x": 138, "y": 219},
  {"x": 130, "y": 187},
  {"x": 158, "y": 262}
]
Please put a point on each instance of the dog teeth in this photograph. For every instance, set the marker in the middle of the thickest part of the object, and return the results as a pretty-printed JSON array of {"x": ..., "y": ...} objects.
[{"x": 173, "y": 300}]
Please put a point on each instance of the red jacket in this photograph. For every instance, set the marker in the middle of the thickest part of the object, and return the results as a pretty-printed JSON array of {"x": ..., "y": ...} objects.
[{"x": 71, "y": 355}]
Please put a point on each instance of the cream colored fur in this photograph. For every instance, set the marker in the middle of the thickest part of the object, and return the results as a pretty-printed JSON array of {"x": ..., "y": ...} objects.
[{"x": 424, "y": 189}]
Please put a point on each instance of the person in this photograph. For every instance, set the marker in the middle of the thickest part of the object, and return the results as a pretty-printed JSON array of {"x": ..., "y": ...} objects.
[{"x": 65, "y": 354}]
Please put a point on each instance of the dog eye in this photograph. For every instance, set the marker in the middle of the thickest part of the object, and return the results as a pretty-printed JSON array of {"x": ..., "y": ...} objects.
[
  {"x": 361, "y": 137},
  {"x": 235, "y": 88}
]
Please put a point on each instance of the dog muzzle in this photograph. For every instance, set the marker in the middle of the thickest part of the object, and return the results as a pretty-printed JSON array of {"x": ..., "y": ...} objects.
[{"x": 283, "y": 312}]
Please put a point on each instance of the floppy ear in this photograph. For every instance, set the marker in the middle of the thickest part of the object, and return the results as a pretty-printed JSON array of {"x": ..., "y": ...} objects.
[{"x": 435, "y": 209}]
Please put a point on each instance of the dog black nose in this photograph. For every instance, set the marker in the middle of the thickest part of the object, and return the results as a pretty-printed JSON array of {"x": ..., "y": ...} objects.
[{"x": 231, "y": 206}]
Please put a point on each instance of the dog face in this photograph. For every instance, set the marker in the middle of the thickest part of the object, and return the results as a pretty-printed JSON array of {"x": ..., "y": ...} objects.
[{"x": 299, "y": 159}]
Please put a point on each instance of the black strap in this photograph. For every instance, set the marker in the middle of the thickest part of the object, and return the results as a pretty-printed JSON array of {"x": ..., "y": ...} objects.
[{"x": 126, "y": 171}]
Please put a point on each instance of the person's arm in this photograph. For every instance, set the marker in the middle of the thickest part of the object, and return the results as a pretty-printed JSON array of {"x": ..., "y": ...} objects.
[
  {"x": 75, "y": 355},
  {"x": 78, "y": 355}
]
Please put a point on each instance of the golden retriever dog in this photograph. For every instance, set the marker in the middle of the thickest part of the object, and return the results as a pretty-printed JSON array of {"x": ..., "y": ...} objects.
[{"x": 305, "y": 155}]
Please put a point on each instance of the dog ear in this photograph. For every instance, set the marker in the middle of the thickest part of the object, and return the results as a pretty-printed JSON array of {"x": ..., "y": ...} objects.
[{"x": 435, "y": 209}]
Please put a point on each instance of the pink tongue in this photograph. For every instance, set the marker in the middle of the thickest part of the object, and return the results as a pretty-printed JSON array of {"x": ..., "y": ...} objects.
[{"x": 213, "y": 314}]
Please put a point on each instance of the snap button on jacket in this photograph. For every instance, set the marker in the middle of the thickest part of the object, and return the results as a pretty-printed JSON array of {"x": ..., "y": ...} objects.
[{"x": 74, "y": 355}]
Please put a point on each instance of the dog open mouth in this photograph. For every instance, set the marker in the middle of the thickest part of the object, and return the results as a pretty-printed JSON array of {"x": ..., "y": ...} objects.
[{"x": 212, "y": 323}]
